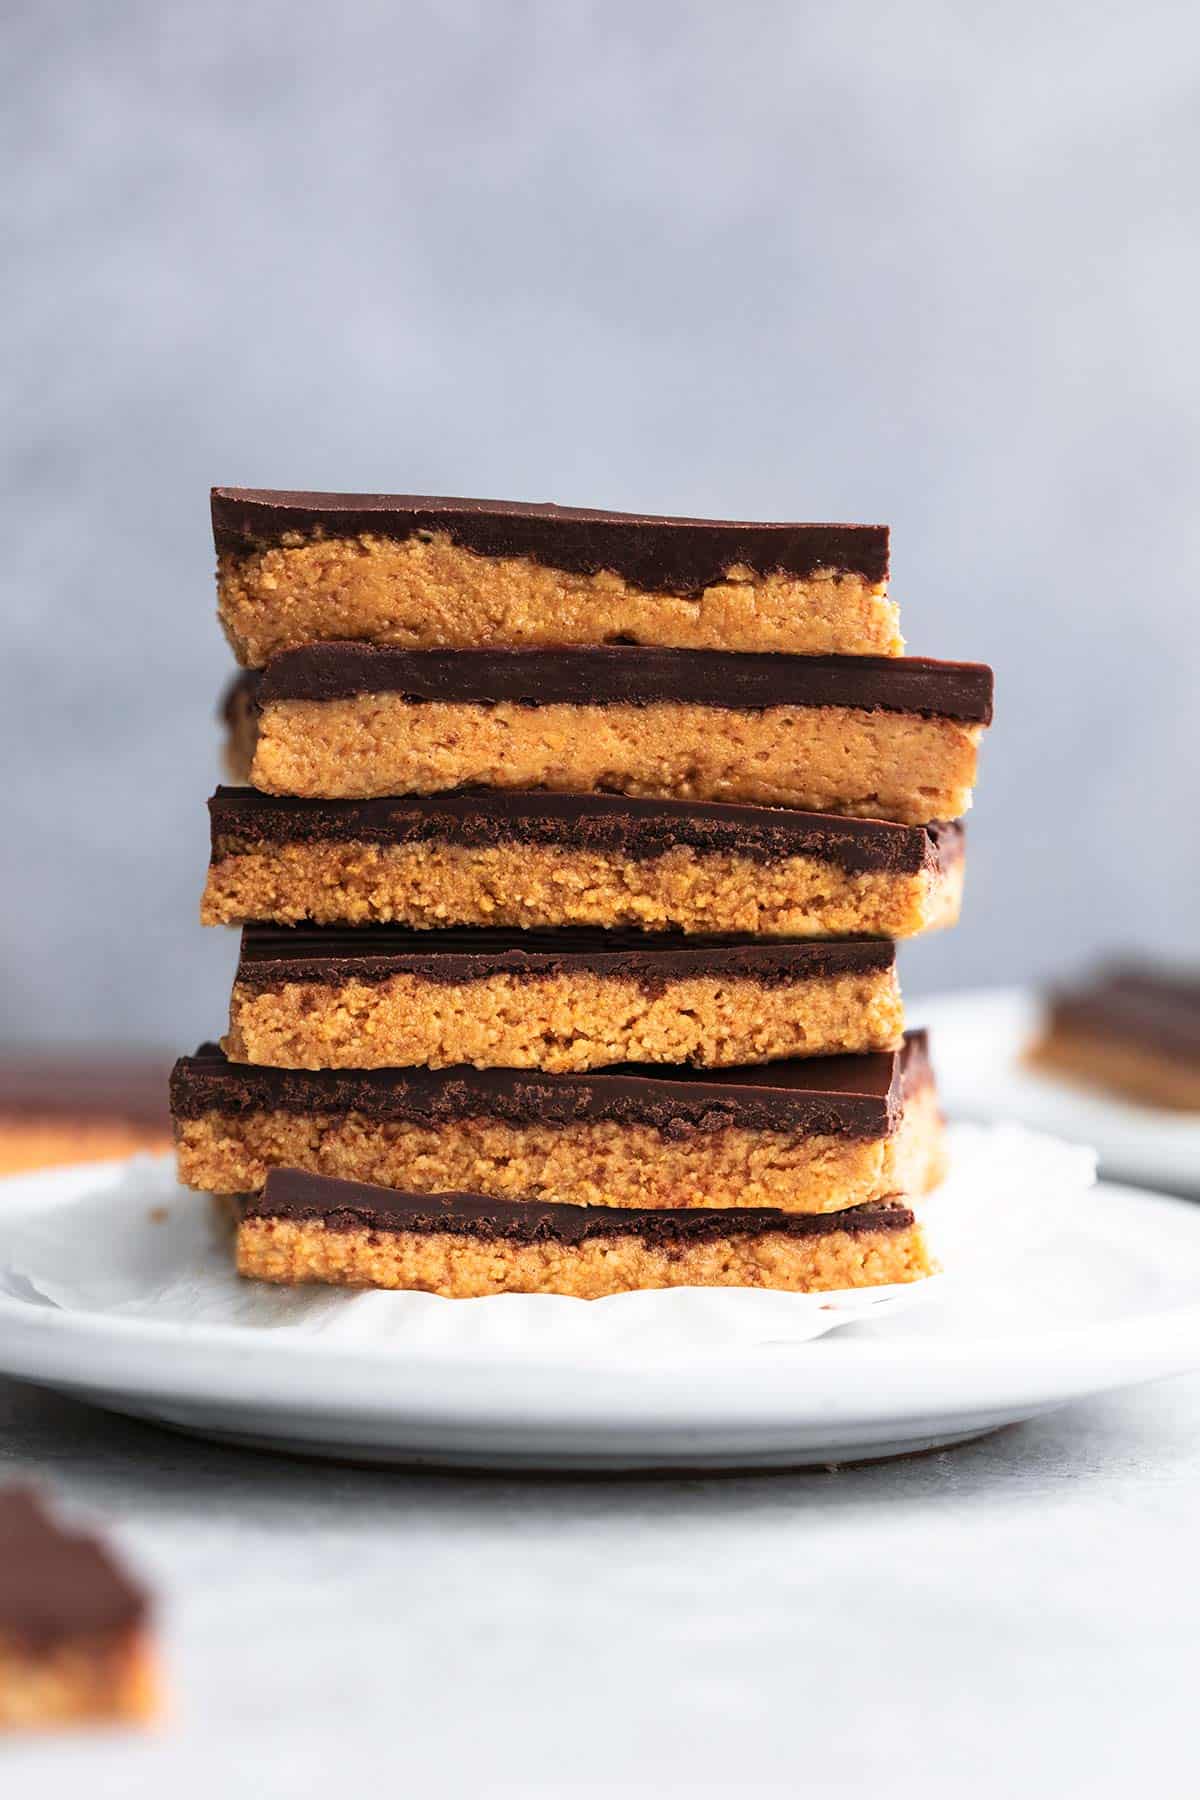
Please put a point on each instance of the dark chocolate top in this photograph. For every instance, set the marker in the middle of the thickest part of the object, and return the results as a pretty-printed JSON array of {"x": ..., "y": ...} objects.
[
  {"x": 96, "y": 1083},
  {"x": 859, "y": 1097},
  {"x": 357, "y": 1206},
  {"x": 662, "y": 555},
  {"x": 57, "y": 1584},
  {"x": 1150, "y": 1005},
  {"x": 242, "y": 818},
  {"x": 272, "y": 954},
  {"x": 628, "y": 675}
]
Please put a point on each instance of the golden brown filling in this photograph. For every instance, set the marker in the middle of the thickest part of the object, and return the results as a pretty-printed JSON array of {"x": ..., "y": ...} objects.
[
  {"x": 887, "y": 765},
  {"x": 588, "y": 1162},
  {"x": 290, "y": 1251},
  {"x": 42, "y": 1143},
  {"x": 86, "y": 1680},
  {"x": 429, "y": 593},
  {"x": 433, "y": 885},
  {"x": 558, "y": 1022}
]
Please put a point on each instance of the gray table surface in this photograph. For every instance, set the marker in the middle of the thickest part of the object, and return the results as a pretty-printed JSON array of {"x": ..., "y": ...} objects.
[{"x": 1015, "y": 1616}]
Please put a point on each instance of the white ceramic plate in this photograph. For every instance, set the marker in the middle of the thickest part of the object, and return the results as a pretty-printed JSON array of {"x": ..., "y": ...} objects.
[
  {"x": 1110, "y": 1296},
  {"x": 977, "y": 1043}
]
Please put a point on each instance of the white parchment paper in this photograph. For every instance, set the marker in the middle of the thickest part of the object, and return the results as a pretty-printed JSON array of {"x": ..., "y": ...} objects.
[{"x": 132, "y": 1242}]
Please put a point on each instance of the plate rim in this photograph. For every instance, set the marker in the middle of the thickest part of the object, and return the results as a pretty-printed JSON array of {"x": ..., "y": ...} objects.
[{"x": 94, "y": 1352}]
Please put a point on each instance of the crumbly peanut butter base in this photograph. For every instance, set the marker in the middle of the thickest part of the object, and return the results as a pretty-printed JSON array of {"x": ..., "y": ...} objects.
[
  {"x": 441, "y": 884},
  {"x": 459, "y": 1268},
  {"x": 591, "y": 1162},
  {"x": 1129, "y": 1070},
  {"x": 112, "y": 1679},
  {"x": 559, "y": 1022},
  {"x": 33, "y": 1143},
  {"x": 428, "y": 593},
  {"x": 882, "y": 765}
]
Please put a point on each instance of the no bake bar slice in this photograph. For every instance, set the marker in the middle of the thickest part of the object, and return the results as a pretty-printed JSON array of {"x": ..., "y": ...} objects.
[
  {"x": 1132, "y": 1030},
  {"x": 544, "y": 860},
  {"x": 305, "y": 1228},
  {"x": 425, "y": 573},
  {"x": 871, "y": 737},
  {"x": 383, "y": 997},
  {"x": 80, "y": 1106},
  {"x": 807, "y": 1136},
  {"x": 74, "y": 1629}
]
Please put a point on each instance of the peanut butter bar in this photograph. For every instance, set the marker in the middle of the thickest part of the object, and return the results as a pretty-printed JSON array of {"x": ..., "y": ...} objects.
[
  {"x": 428, "y": 573},
  {"x": 74, "y": 1629},
  {"x": 304, "y": 1228},
  {"x": 80, "y": 1106},
  {"x": 806, "y": 1136},
  {"x": 869, "y": 737},
  {"x": 543, "y": 860},
  {"x": 382, "y": 997},
  {"x": 1131, "y": 1030}
]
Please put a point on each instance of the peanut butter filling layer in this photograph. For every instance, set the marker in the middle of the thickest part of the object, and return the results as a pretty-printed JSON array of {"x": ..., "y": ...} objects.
[
  {"x": 574, "y": 1020},
  {"x": 427, "y": 592},
  {"x": 292, "y": 1251},
  {"x": 908, "y": 767},
  {"x": 88, "y": 1681},
  {"x": 44, "y": 1143},
  {"x": 589, "y": 1162},
  {"x": 428, "y": 885}
]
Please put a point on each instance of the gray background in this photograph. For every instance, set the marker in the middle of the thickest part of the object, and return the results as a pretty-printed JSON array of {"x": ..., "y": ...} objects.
[{"x": 932, "y": 264}]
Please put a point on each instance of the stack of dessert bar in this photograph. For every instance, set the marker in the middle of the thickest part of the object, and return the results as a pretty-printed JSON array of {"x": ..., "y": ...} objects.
[{"x": 570, "y": 865}]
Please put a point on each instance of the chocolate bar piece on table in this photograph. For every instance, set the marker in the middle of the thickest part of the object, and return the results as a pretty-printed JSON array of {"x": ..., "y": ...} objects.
[
  {"x": 75, "y": 1643},
  {"x": 1133, "y": 1030}
]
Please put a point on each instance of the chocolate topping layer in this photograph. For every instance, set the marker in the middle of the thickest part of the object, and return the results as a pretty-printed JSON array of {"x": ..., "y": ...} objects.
[
  {"x": 273, "y": 954},
  {"x": 1157, "y": 1007},
  {"x": 85, "y": 1084},
  {"x": 242, "y": 819},
  {"x": 633, "y": 676},
  {"x": 660, "y": 555},
  {"x": 56, "y": 1584},
  {"x": 357, "y": 1206},
  {"x": 859, "y": 1097}
]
